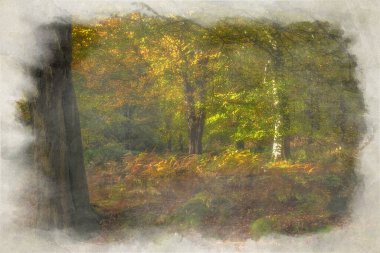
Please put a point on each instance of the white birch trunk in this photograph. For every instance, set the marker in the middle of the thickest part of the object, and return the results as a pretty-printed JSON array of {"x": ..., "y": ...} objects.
[{"x": 277, "y": 136}]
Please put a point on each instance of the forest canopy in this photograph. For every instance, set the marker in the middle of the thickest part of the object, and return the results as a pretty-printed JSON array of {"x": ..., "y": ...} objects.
[
  {"x": 151, "y": 83},
  {"x": 239, "y": 128}
]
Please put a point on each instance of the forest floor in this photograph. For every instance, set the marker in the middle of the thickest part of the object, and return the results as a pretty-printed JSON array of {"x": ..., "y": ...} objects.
[{"x": 232, "y": 195}]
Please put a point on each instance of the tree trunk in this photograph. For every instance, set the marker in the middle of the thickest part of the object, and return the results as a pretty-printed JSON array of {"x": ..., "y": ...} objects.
[
  {"x": 129, "y": 115},
  {"x": 62, "y": 191},
  {"x": 285, "y": 125},
  {"x": 278, "y": 141},
  {"x": 195, "y": 116},
  {"x": 169, "y": 144},
  {"x": 199, "y": 130},
  {"x": 240, "y": 145},
  {"x": 312, "y": 113},
  {"x": 341, "y": 120},
  {"x": 195, "y": 128},
  {"x": 180, "y": 143},
  {"x": 281, "y": 140}
]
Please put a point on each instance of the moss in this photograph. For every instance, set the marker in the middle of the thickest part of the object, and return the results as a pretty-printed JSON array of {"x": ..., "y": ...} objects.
[
  {"x": 263, "y": 226},
  {"x": 324, "y": 229},
  {"x": 193, "y": 212}
]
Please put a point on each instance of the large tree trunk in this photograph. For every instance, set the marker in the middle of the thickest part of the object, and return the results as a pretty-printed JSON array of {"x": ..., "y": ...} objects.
[
  {"x": 240, "y": 145},
  {"x": 196, "y": 116},
  {"x": 63, "y": 199},
  {"x": 195, "y": 126}
]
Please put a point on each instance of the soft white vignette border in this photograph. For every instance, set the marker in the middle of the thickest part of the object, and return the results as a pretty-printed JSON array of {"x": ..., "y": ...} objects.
[{"x": 18, "y": 46}]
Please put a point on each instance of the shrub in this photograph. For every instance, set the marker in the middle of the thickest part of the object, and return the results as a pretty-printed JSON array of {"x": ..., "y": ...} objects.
[
  {"x": 193, "y": 212},
  {"x": 262, "y": 226}
]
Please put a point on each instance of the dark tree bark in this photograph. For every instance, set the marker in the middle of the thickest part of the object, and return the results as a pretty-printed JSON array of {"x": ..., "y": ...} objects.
[
  {"x": 196, "y": 125},
  {"x": 195, "y": 116},
  {"x": 312, "y": 113},
  {"x": 169, "y": 144},
  {"x": 285, "y": 126},
  {"x": 62, "y": 191},
  {"x": 180, "y": 143},
  {"x": 240, "y": 145}
]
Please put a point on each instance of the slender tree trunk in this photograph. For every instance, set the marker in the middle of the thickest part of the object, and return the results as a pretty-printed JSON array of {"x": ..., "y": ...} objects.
[
  {"x": 192, "y": 135},
  {"x": 169, "y": 144},
  {"x": 285, "y": 125},
  {"x": 312, "y": 113},
  {"x": 169, "y": 132},
  {"x": 281, "y": 139},
  {"x": 62, "y": 191},
  {"x": 191, "y": 117},
  {"x": 278, "y": 141},
  {"x": 201, "y": 111},
  {"x": 180, "y": 142},
  {"x": 129, "y": 111},
  {"x": 341, "y": 119},
  {"x": 199, "y": 131}
]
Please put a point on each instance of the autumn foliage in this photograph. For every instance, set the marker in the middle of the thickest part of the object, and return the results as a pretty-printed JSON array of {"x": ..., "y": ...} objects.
[
  {"x": 237, "y": 128},
  {"x": 235, "y": 194}
]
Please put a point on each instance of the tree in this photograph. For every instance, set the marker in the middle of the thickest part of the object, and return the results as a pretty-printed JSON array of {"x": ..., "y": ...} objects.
[
  {"x": 145, "y": 82},
  {"x": 118, "y": 106},
  {"x": 268, "y": 37},
  {"x": 63, "y": 199},
  {"x": 183, "y": 62}
]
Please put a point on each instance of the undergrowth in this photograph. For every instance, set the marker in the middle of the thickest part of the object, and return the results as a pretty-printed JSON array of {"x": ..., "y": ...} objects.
[{"x": 235, "y": 194}]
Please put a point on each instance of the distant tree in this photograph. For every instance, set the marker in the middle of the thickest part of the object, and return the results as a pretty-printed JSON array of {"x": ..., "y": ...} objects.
[
  {"x": 148, "y": 81},
  {"x": 183, "y": 61}
]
